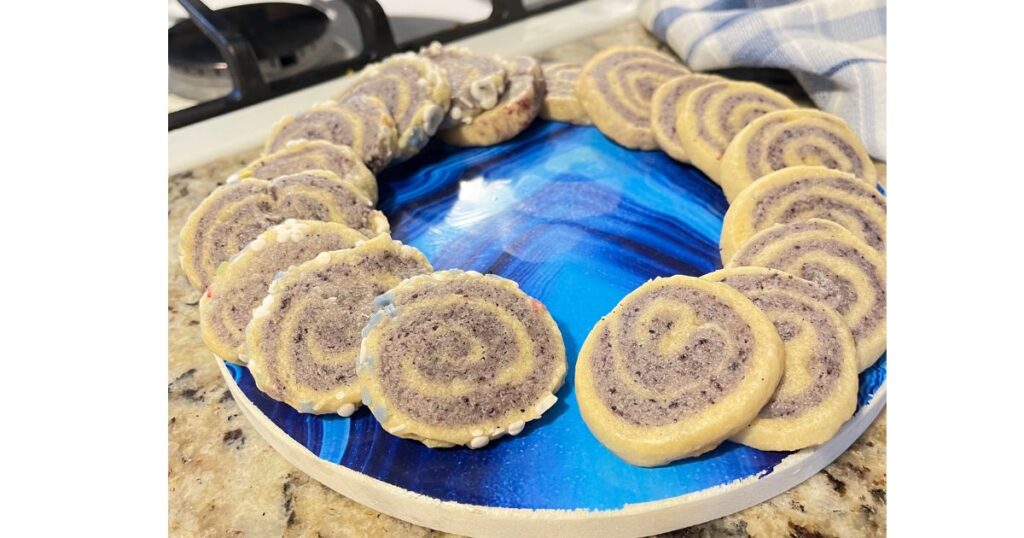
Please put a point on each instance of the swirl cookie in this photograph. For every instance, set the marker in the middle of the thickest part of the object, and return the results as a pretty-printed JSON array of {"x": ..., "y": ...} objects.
[
  {"x": 241, "y": 283},
  {"x": 303, "y": 340},
  {"x": 787, "y": 138},
  {"x": 616, "y": 86},
  {"x": 666, "y": 105},
  {"x": 515, "y": 111},
  {"x": 363, "y": 123},
  {"x": 477, "y": 81},
  {"x": 818, "y": 392},
  {"x": 714, "y": 114},
  {"x": 235, "y": 213},
  {"x": 800, "y": 193},
  {"x": 416, "y": 92},
  {"x": 560, "y": 102},
  {"x": 304, "y": 155},
  {"x": 459, "y": 358},
  {"x": 851, "y": 272},
  {"x": 680, "y": 365}
]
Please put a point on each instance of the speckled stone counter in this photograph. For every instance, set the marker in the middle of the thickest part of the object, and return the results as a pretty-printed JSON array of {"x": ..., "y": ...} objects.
[{"x": 225, "y": 480}]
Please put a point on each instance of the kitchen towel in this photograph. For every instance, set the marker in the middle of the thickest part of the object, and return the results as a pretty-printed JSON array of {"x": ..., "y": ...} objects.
[{"x": 835, "y": 48}]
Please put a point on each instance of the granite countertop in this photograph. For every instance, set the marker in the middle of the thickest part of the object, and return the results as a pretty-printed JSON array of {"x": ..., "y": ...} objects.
[{"x": 225, "y": 480}]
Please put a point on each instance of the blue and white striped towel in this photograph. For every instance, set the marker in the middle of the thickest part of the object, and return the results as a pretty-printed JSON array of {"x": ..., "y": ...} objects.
[{"x": 835, "y": 48}]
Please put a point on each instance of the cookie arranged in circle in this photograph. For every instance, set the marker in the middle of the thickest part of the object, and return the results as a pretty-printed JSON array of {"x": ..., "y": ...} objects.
[
  {"x": 818, "y": 391},
  {"x": 416, "y": 92},
  {"x": 714, "y": 114},
  {"x": 236, "y": 213},
  {"x": 303, "y": 340},
  {"x": 800, "y": 193},
  {"x": 477, "y": 81},
  {"x": 666, "y": 105},
  {"x": 240, "y": 284},
  {"x": 560, "y": 102},
  {"x": 795, "y": 137},
  {"x": 616, "y": 87},
  {"x": 515, "y": 111},
  {"x": 851, "y": 272},
  {"x": 459, "y": 358},
  {"x": 678, "y": 366},
  {"x": 305, "y": 155},
  {"x": 363, "y": 123}
]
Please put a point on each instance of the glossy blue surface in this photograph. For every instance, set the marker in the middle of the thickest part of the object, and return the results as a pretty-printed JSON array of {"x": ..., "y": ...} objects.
[{"x": 579, "y": 222}]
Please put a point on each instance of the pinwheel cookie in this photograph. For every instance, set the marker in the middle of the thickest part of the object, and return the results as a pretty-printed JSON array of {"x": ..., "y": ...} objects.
[
  {"x": 560, "y": 102},
  {"x": 680, "y": 365},
  {"x": 477, "y": 81},
  {"x": 302, "y": 342},
  {"x": 459, "y": 358},
  {"x": 305, "y": 155},
  {"x": 515, "y": 111},
  {"x": 666, "y": 105}
]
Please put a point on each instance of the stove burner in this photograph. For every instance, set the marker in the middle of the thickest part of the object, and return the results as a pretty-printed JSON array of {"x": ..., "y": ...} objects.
[{"x": 287, "y": 39}]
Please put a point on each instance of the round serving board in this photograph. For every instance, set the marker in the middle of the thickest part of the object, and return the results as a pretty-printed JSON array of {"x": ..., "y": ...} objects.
[{"x": 579, "y": 222}]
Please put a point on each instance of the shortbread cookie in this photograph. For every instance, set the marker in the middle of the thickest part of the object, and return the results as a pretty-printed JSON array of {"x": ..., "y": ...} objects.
[
  {"x": 818, "y": 392},
  {"x": 235, "y": 213},
  {"x": 787, "y": 138},
  {"x": 616, "y": 86},
  {"x": 303, "y": 340},
  {"x": 363, "y": 123},
  {"x": 667, "y": 104},
  {"x": 800, "y": 193},
  {"x": 852, "y": 273},
  {"x": 560, "y": 102},
  {"x": 515, "y": 111},
  {"x": 459, "y": 358},
  {"x": 714, "y": 114},
  {"x": 477, "y": 81},
  {"x": 241, "y": 283},
  {"x": 416, "y": 92},
  {"x": 305, "y": 155},
  {"x": 680, "y": 365}
]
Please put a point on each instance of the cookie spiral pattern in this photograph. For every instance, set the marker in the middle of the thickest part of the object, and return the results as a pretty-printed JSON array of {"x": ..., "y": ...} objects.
[
  {"x": 666, "y": 104},
  {"x": 616, "y": 86},
  {"x": 514, "y": 112},
  {"x": 818, "y": 392},
  {"x": 236, "y": 213},
  {"x": 851, "y": 272},
  {"x": 714, "y": 114},
  {"x": 477, "y": 81},
  {"x": 560, "y": 102},
  {"x": 796, "y": 137},
  {"x": 241, "y": 283},
  {"x": 801, "y": 193},
  {"x": 303, "y": 340},
  {"x": 416, "y": 92},
  {"x": 305, "y": 155},
  {"x": 363, "y": 123},
  {"x": 680, "y": 365}
]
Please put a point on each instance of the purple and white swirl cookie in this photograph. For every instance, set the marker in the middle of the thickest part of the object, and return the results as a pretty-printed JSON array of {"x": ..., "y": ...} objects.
[
  {"x": 667, "y": 104},
  {"x": 363, "y": 123},
  {"x": 303, "y": 340},
  {"x": 796, "y": 137},
  {"x": 459, "y": 358},
  {"x": 680, "y": 365},
  {"x": 818, "y": 392},
  {"x": 241, "y": 283},
  {"x": 850, "y": 271},
  {"x": 714, "y": 114},
  {"x": 515, "y": 111},
  {"x": 236, "y": 213},
  {"x": 416, "y": 92},
  {"x": 477, "y": 81},
  {"x": 800, "y": 193},
  {"x": 616, "y": 87},
  {"x": 305, "y": 155},
  {"x": 560, "y": 102}
]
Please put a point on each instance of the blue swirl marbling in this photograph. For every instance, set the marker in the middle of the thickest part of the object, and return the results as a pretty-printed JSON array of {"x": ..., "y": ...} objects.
[{"x": 579, "y": 222}]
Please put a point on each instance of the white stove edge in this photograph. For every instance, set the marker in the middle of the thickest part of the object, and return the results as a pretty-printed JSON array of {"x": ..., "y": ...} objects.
[{"x": 209, "y": 140}]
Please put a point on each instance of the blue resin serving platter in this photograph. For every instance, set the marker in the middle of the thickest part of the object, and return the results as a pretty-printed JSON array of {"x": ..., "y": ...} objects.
[{"x": 579, "y": 222}]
